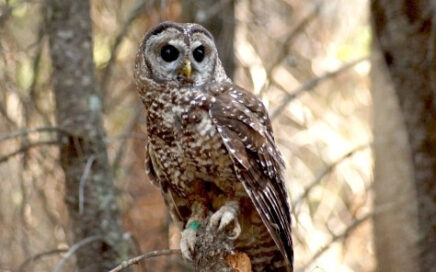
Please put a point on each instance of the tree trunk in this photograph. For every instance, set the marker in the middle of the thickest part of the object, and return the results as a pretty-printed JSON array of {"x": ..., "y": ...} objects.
[
  {"x": 395, "y": 194},
  {"x": 90, "y": 193},
  {"x": 218, "y": 16},
  {"x": 405, "y": 31}
]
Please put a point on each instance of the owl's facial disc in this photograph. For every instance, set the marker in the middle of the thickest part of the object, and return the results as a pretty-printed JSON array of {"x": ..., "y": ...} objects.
[{"x": 184, "y": 54}]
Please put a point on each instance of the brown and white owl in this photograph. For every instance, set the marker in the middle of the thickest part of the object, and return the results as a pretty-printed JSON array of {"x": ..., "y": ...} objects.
[{"x": 211, "y": 147}]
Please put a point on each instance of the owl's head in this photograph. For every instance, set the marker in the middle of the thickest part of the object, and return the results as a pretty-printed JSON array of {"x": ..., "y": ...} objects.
[{"x": 179, "y": 53}]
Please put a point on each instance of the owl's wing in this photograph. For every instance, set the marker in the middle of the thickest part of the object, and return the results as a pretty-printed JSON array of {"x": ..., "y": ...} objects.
[{"x": 245, "y": 128}]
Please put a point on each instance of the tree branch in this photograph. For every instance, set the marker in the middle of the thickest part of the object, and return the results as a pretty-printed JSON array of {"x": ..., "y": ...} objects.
[
  {"x": 309, "y": 85},
  {"x": 327, "y": 170},
  {"x": 148, "y": 255},
  {"x": 137, "y": 10},
  {"x": 74, "y": 248},
  {"x": 26, "y": 132},
  {"x": 39, "y": 256},
  {"x": 337, "y": 237},
  {"x": 24, "y": 148},
  {"x": 214, "y": 251}
]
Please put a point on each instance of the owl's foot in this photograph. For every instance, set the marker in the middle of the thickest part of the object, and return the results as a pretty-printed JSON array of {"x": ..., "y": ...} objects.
[
  {"x": 226, "y": 219},
  {"x": 187, "y": 243}
]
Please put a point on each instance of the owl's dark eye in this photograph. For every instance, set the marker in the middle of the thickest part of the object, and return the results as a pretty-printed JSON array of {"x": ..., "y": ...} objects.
[
  {"x": 198, "y": 53},
  {"x": 169, "y": 53}
]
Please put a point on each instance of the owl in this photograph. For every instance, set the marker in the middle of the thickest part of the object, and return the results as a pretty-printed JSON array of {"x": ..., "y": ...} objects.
[{"x": 211, "y": 147}]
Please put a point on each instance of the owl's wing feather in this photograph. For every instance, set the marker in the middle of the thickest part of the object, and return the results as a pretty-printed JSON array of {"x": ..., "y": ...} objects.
[{"x": 244, "y": 125}]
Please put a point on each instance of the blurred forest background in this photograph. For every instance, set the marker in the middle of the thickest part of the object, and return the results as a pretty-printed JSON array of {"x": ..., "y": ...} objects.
[{"x": 75, "y": 193}]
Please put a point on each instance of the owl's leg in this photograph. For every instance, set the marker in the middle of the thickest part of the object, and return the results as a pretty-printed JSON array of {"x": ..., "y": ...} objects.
[
  {"x": 226, "y": 219},
  {"x": 189, "y": 234}
]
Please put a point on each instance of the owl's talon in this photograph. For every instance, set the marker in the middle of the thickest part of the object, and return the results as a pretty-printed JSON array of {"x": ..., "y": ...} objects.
[
  {"x": 187, "y": 243},
  {"x": 226, "y": 218}
]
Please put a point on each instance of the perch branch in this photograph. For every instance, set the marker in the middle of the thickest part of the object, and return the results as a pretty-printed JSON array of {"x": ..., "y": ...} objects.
[
  {"x": 214, "y": 251},
  {"x": 148, "y": 255}
]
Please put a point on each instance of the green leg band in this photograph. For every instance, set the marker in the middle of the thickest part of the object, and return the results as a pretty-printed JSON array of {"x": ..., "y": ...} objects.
[{"x": 195, "y": 225}]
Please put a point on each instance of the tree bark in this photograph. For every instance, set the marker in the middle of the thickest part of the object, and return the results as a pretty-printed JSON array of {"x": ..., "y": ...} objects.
[
  {"x": 394, "y": 188},
  {"x": 406, "y": 31},
  {"x": 218, "y": 16},
  {"x": 90, "y": 193}
]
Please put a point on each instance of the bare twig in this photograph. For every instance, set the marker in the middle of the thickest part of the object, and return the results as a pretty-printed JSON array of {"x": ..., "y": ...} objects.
[
  {"x": 350, "y": 228},
  {"x": 309, "y": 85},
  {"x": 25, "y": 148},
  {"x": 138, "y": 8},
  {"x": 327, "y": 170},
  {"x": 284, "y": 48},
  {"x": 26, "y": 132},
  {"x": 335, "y": 238},
  {"x": 39, "y": 256},
  {"x": 82, "y": 182},
  {"x": 74, "y": 248},
  {"x": 151, "y": 254}
]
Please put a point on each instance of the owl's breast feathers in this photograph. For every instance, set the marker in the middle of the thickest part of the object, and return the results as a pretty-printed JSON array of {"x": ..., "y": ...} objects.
[{"x": 184, "y": 144}]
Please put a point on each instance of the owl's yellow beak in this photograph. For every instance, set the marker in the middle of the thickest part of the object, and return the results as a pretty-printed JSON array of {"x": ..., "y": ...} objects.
[{"x": 186, "y": 68}]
